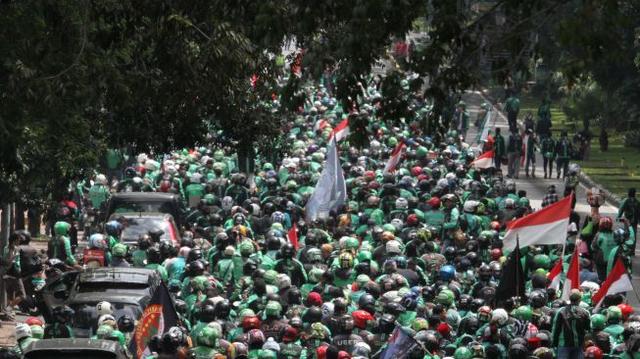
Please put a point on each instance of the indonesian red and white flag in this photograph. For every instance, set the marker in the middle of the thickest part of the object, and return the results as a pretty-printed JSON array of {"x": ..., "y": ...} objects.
[
  {"x": 555, "y": 275},
  {"x": 394, "y": 159},
  {"x": 320, "y": 125},
  {"x": 293, "y": 236},
  {"x": 483, "y": 161},
  {"x": 545, "y": 226},
  {"x": 573, "y": 276},
  {"x": 617, "y": 282},
  {"x": 341, "y": 130}
]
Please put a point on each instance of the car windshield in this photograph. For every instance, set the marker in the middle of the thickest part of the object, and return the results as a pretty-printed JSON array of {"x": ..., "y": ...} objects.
[
  {"x": 86, "y": 316},
  {"x": 110, "y": 287},
  {"x": 161, "y": 207},
  {"x": 137, "y": 226},
  {"x": 71, "y": 354}
]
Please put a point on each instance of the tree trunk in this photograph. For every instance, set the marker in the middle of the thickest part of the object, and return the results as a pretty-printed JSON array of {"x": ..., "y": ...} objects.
[
  {"x": 19, "y": 216},
  {"x": 35, "y": 220}
]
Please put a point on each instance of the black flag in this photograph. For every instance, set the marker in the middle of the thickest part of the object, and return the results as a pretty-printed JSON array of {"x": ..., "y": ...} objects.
[{"x": 512, "y": 280}]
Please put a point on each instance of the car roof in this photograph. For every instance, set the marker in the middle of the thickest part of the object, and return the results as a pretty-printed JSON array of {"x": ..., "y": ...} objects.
[
  {"x": 144, "y": 196},
  {"x": 116, "y": 274},
  {"x": 74, "y": 343},
  {"x": 150, "y": 215},
  {"x": 96, "y": 297}
]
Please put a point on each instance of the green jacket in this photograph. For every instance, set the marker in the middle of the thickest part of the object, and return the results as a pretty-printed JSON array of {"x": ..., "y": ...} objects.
[
  {"x": 499, "y": 146},
  {"x": 548, "y": 145}
]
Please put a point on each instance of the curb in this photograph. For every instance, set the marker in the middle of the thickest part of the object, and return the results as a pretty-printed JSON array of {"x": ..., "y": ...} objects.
[{"x": 583, "y": 178}]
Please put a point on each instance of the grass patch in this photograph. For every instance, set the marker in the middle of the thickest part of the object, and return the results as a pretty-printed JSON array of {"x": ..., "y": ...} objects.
[{"x": 616, "y": 169}]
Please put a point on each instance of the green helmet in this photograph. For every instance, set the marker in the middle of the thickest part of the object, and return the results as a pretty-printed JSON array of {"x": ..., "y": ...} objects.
[
  {"x": 61, "y": 228},
  {"x": 207, "y": 337},
  {"x": 200, "y": 283},
  {"x": 364, "y": 256},
  {"x": 273, "y": 309},
  {"x": 421, "y": 152},
  {"x": 352, "y": 243},
  {"x": 291, "y": 185},
  {"x": 218, "y": 155},
  {"x": 104, "y": 332},
  {"x": 388, "y": 227},
  {"x": 266, "y": 354},
  {"x": 523, "y": 202},
  {"x": 246, "y": 312},
  {"x": 598, "y": 321},
  {"x": 614, "y": 314},
  {"x": 315, "y": 274},
  {"x": 419, "y": 324},
  {"x": 444, "y": 298},
  {"x": 362, "y": 279},
  {"x": 246, "y": 248},
  {"x": 267, "y": 167},
  {"x": 541, "y": 261},
  {"x": 462, "y": 353},
  {"x": 392, "y": 141},
  {"x": 524, "y": 312},
  {"x": 37, "y": 332},
  {"x": 270, "y": 276},
  {"x": 119, "y": 250}
]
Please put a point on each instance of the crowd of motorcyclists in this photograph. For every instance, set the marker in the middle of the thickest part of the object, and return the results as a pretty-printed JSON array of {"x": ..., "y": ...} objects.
[{"x": 418, "y": 248}]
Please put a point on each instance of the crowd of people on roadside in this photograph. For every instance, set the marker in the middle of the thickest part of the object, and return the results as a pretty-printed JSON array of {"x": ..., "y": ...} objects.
[{"x": 415, "y": 249}]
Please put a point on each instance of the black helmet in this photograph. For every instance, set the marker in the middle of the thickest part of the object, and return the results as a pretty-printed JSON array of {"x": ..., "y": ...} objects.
[
  {"x": 464, "y": 303},
  {"x": 223, "y": 309},
  {"x": 450, "y": 253},
  {"x": 345, "y": 324},
  {"x": 287, "y": 251},
  {"x": 207, "y": 313},
  {"x": 312, "y": 315},
  {"x": 469, "y": 325},
  {"x": 153, "y": 255},
  {"x": 249, "y": 267},
  {"x": 484, "y": 272},
  {"x": 476, "y": 303},
  {"x": 538, "y": 298},
  {"x": 144, "y": 242},
  {"x": 194, "y": 255},
  {"x": 155, "y": 234},
  {"x": 386, "y": 323},
  {"x": 126, "y": 324},
  {"x": 294, "y": 296},
  {"x": 367, "y": 302}
]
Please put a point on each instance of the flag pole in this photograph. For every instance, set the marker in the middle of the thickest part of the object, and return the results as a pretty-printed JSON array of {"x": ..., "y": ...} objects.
[{"x": 518, "y": 263}]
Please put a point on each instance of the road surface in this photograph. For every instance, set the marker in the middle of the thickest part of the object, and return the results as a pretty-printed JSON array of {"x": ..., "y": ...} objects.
[{"x": 537, "y": 187}]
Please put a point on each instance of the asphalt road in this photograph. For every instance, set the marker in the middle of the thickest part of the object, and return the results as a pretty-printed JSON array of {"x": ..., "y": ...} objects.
[{"x": 537, "y": 187}]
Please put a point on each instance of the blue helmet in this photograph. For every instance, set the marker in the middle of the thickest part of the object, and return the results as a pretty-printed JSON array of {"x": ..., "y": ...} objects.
[
  {"x": 447, "y": 272},
  {"x": 113, "y": 228}
]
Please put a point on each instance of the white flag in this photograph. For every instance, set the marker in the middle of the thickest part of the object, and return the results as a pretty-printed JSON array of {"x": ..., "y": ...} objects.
[{"x": 331, "y": 190}]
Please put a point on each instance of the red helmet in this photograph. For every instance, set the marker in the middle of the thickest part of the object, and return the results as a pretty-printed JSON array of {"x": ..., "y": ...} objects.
[
  {"x": 434, "y": 202},
  {"x": 444, "y": 329},
  {"x": 412, "y": 220},
  {"x": 343, "y": 355},
  {"x": 626, "y": 310},
  {"x": 34, "y": 321},
  {"x": 423, "y": 177},
  {"x": 495, "y": 225},
  {"x": 605, "y": 223},
  {"x": 165, "y": 186},
  {"x": 593, "y": 352},
  {"x": 314, "y": 298},
  {"x": 416, "y": 171},
  {"x": 369, "y": 175},
  {"x": 321, "y": 351},
  {"x": 290, "y": 334},
  {"x": 252, "y": 322},
  {"x": 496, "y": 253},
  {"x": 360, "y": 318},
  {"x": 374, "y": 185}
]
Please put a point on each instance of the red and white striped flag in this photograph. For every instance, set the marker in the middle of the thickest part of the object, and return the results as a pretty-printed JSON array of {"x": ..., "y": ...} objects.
[
  {"x": 484, "y": 161},
  {"x": 617, "y": 282},
  {"x": 341, "y": 130},
  {"x": 555, "y": 275},
  {"x": 394, "y": 159},
  {"x": 573, "y": 276},
  {"x": 320, "y": 125},
  {"x": 545, "y": 226}
]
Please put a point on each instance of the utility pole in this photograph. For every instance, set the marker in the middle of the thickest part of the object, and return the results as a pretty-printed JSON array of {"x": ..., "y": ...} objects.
[{"x": 5, "y": 231}]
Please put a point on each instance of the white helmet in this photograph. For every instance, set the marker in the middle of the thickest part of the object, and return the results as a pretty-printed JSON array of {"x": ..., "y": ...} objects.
[
  {"x": 397, "y": 223},
  {"x": 393, "y": 246},
  {"x": 271, "y": 344},
  {"x": 103, "y": 308},
  {"x": 102, "y": 179},
  {"x": 97, "y": 241},
  {"x": 499, "y": 316},
  {"x": 22, "y": 331},
  {"x": 470, "y": 206},
  {"x": 402, "y": 203},
  {"x": 327, "y": 309},
  {"x": 107, "y": 319}
]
